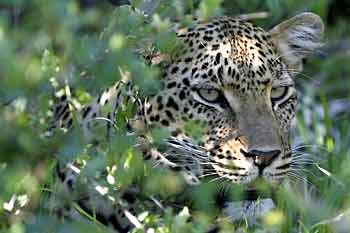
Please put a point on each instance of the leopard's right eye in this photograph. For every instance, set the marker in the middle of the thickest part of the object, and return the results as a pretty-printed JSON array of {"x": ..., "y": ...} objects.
[{"x": 210, "y": 95}]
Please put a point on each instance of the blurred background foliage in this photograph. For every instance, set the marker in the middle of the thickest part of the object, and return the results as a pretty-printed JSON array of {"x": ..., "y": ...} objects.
[{"x": 47, "y": 44}]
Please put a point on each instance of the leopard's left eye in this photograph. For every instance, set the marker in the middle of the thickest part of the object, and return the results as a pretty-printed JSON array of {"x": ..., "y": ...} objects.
[
  {"x": 209, "y": 94},
  {"x": 278, "y": 93}
]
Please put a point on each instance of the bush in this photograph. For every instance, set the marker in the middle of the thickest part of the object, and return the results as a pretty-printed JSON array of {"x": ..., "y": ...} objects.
[{"x": 49, "y": 45}]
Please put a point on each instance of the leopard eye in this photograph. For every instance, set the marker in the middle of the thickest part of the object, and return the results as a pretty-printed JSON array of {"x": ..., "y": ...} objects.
[
  {"x": 278, "y": 93},
  {"x": 209, "y": 94}
]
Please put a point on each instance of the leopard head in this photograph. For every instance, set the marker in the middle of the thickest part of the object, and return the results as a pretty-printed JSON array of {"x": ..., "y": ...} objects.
[{"x": 237, "y": 79}]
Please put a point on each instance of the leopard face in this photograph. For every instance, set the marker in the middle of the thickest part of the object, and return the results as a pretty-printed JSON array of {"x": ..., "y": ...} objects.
[{"x": 237, "y": 80}]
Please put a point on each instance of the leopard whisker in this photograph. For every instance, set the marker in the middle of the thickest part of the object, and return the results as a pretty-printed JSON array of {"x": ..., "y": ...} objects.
[
  {"x": 300, "y": 160},
  {"x": 303, "y": 158},
  {"x": 208, "y": 174},
  {"x": 303, "y": 162},
  {"x": 303, "y": 170},
  {"x": 209, "y": 170},
  {"x": 302, "y": 155},
  {"x": 298, "y": 177},
  {"x": 302, "y": 74},
  {"x": 310, "y": 146},
  {"x": 296, "y": 153}
]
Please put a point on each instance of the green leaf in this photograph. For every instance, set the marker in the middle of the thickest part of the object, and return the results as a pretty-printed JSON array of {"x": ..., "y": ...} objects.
[{"x": 209, "y": 8}]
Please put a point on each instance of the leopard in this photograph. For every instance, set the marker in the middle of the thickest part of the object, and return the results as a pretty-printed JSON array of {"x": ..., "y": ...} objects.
[{"x": 235, "y": 80}]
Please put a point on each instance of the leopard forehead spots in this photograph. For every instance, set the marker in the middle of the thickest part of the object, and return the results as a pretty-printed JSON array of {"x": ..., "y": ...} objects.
[{"x": 229, "y": 53}]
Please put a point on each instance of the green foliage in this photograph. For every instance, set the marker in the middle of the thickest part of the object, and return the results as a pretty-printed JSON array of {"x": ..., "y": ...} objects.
[
  {"x": 209, "y": 8},
  {"x": 46, "y": 45}
]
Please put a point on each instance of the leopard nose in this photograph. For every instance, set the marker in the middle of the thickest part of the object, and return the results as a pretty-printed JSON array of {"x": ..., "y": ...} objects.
[{"x": 262, "y": 159}]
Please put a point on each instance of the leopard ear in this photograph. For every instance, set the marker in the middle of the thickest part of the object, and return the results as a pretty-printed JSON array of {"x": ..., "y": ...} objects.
[{"x": 297, "y": 37}]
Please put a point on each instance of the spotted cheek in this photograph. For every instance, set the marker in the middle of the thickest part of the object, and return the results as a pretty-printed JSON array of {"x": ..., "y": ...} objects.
[{"x": 219, "y": 129}]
